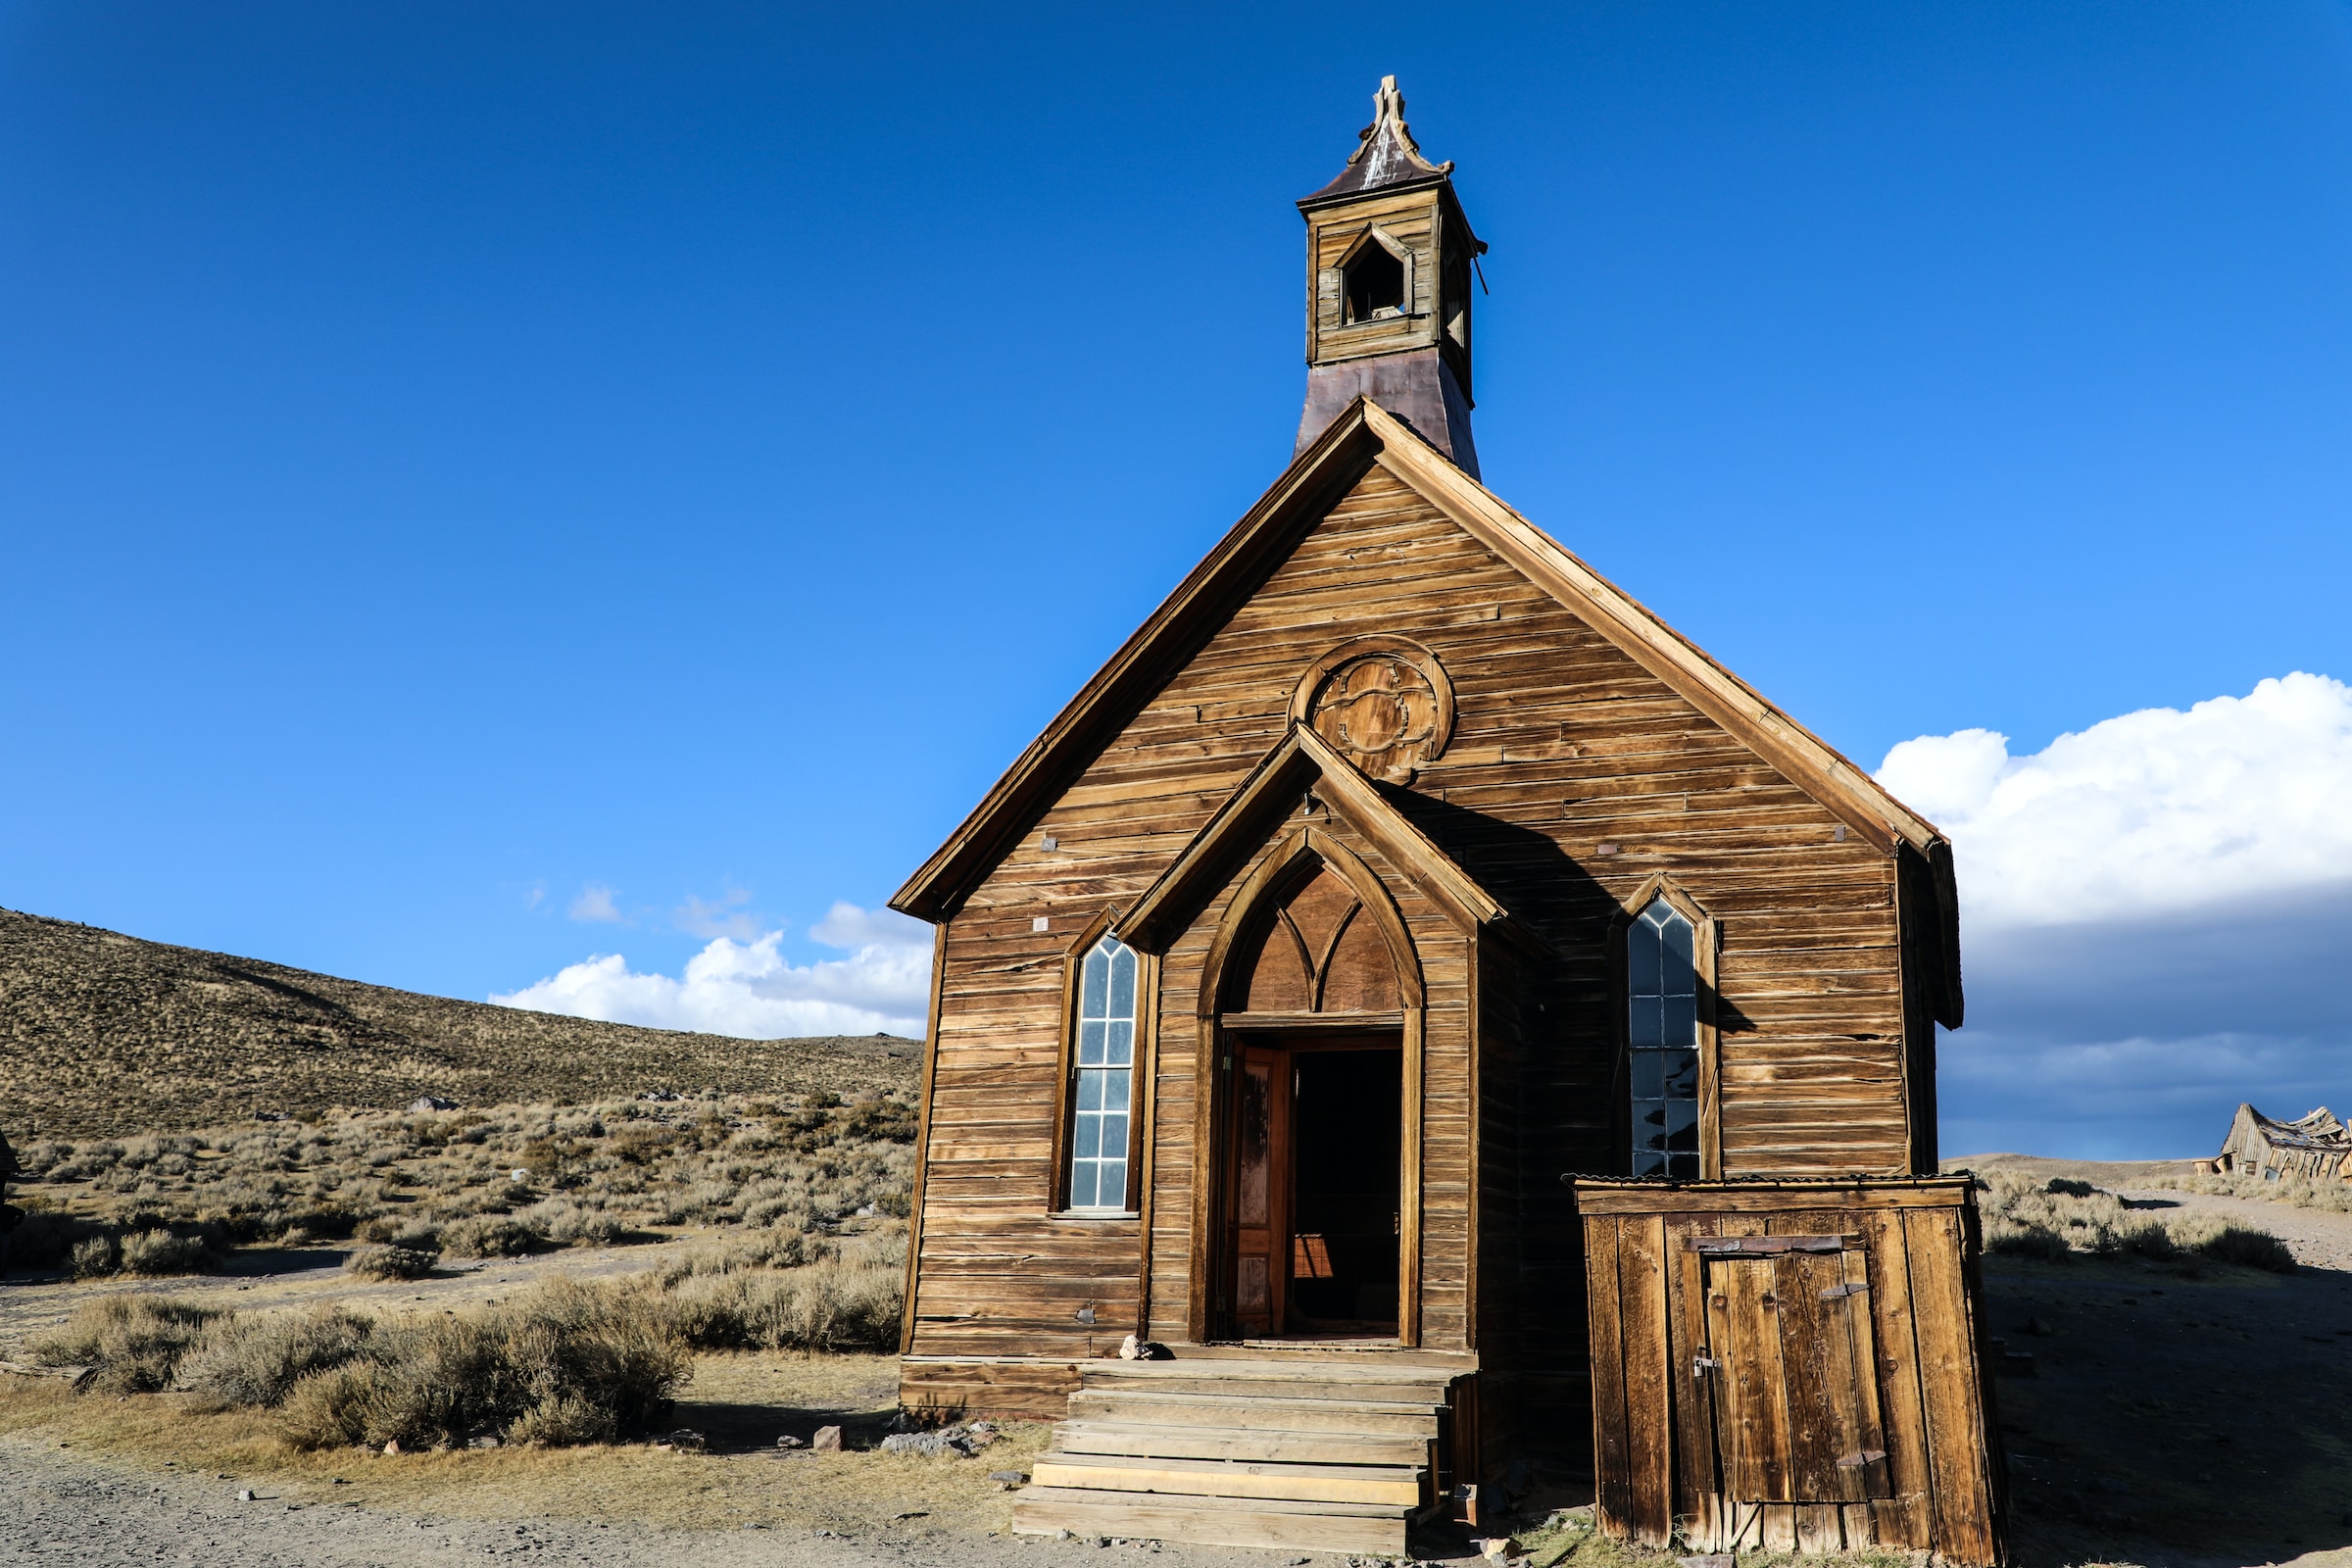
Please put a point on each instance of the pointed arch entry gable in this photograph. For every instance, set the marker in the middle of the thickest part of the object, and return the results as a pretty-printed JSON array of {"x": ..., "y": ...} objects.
[{"x": 1300, "y": 857}]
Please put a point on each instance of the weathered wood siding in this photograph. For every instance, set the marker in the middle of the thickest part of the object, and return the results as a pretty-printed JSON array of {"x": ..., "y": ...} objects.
[
  {"x": 1655, "y": 1422},
  {"x": 1562, "y": 746}
]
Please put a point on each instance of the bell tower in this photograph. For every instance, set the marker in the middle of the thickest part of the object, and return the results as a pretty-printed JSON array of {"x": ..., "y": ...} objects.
[{"x": 1389, "y": 257}]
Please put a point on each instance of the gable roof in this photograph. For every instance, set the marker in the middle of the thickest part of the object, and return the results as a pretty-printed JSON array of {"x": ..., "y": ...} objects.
[
  {"x": 1253, "y": 812},
  {"x": 1362, "y": 435}
]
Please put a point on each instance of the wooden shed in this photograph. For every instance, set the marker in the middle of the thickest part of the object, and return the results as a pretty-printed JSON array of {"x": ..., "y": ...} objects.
[
  {"x": 1793, "y": 1366},
  {"x": 1397, "y": 866},
  {"x": 2314, "y": 1145}
]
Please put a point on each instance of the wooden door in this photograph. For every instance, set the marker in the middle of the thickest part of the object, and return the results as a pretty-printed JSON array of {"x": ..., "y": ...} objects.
[
  {"x": 1791, "y": 1347},
  {"x": 1262, "y": 1191}
]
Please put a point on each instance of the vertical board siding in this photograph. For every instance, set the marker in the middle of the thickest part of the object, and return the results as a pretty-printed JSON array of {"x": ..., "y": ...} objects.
[{"x": 1656, "y": 1433}]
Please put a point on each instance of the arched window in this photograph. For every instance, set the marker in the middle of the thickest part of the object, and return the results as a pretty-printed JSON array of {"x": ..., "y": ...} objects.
[
  {"x": 1103, "y": 1077},
  {"x": 1662, "y": 1037}
]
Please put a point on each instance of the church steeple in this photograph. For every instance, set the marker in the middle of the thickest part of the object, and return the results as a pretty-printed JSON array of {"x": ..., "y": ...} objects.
[{"x": 1388, "y": 259}]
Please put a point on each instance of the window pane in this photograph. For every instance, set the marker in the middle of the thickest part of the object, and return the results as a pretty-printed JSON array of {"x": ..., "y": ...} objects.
[
  {"x": 1090, "y": 1089},
  {"x": 1683, "y": 1167},
  {"x": 1648, "y": 1164},
  {"x": 1112, "y": 1190},
  {"x": 1679, "y": 1025},
  {"x": 1650, "y": 1074},
  {"x": 1680, "y": 1074},
  {"x": 1115, "y": 1136},
  {"x": 1642, "y": 959},
  {"x": 1120, "y": 1048},
  {"x": 1122, "y": 982},
  {"x": 1090, "y": 1045},
  {"x": 1114, "y": 1089},
  {"x": 1681, "y": 1124},
  {"x": 1675, "y": 932},
  {"x": 1082, "y": 1184},
  {"x": 1087, "y": 1142},
  {"x": 1645, "y": 1022},
  {"x": 1093, "y": 988},
  {"x": 1649, "y": 1124}
]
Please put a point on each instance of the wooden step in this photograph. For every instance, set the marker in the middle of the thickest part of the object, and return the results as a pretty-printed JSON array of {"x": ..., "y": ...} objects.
[
  {"x": 1145, "y": 1440},
  {"x": 1143, "y": 1406},
  {"x": 1376, "y": 1529},
  {"x": 1246, "y": 1378},
  {"x": 1401, "y": 1485}
]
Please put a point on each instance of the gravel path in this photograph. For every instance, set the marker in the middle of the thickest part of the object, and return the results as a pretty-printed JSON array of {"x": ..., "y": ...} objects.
[{"x": 60, "y": 1509}]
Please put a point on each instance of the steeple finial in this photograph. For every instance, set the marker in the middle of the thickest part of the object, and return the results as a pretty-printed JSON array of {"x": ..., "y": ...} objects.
[{"x": 1384, "y": 155}]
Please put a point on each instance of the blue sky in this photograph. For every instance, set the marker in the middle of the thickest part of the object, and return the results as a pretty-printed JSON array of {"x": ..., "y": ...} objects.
[{"x": 463, "y": 466}]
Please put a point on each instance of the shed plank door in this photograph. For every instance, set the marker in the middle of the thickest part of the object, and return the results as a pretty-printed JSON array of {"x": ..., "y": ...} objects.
[
  {"x": 1261, "y": 1189},
  {"x": 1796, "y": 1406}
]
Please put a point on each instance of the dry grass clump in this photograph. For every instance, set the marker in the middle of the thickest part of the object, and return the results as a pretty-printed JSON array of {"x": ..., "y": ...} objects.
[
  {"x": 390, "y": 1263},
  {"x": 566, "y": 1364},
  {"x": 730, "y": 1299},
  {"x": 132, "y": 1343},
  {"x": 257, "y": 1359},
  {"x": 490, "y": 1183},
  {"x": 2061, "y": 1218}
]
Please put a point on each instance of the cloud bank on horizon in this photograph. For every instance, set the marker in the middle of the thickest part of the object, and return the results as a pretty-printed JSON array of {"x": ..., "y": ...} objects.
[
  {"x": 2154, "y": 914},
  {"x": 741, "y": 985}
]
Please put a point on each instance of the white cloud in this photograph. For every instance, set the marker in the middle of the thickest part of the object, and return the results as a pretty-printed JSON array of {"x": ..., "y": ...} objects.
[
  {"x": 749, "y": 988},
  {"x": 723, "y": 917},
  {"x": 2155, "y": 813},
  {"x": 2153, "y": 914},
  {"x": 595, "y": 902}
]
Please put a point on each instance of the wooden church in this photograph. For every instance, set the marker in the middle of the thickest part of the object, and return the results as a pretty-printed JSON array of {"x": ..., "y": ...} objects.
[{"x": 1444, "y": 1027}]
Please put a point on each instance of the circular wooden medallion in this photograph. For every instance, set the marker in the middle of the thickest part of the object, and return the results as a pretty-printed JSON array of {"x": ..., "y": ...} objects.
[{"x": 1384, "y": 702}]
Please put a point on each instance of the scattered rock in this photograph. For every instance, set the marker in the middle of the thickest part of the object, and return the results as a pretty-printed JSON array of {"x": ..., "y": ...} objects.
[
  {"x": 2037, "y": 1327},
  {"x": 914, "y": 1513},
  {"x": 1063, "y": 1535},
  {"x": 1720, "y": 1559},
  {"x": 424, "y": 1103},
  {"x": 928, "y": 1443},
  {"x": 683, "y": 1441},
  {"x": 1008, "y": 1480},
  {"x": 393, "y": 1446},
  {"x": 245, "y": 1496},
  {"x": 826, "y": 1440},
  {"x": 788, "y": 1441},
  {"x": 485, "y": 1440}
]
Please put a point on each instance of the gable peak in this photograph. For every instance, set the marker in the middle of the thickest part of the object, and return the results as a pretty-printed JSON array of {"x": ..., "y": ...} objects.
[{"x": 1385, "y": 154}]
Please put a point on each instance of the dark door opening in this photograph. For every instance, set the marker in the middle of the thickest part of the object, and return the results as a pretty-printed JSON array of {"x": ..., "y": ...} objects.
[{"x": 1316, "y": 1210}]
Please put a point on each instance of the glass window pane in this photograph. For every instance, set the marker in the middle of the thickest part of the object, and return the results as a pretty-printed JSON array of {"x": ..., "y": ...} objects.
[
  {"x": 1642, "y": 959},
  {"x": 1090, "y": 1089},
  {"x": 1645, "y": 1022},
  {"x": 1648, "y": 1164},
  {"x": 1093, "y": 986},
  {"x": 1090, "y": 1043},
  {"x": 1086, "y": 1141},
  {"x": 1675, "y": 932},
  {"x": 1114, "y": 1089},
  {"x": 1681, "y": 1124},
  {"x": 1680, "y": 1074},
  {"x": 1112, "y": 1190},
  {"x": 1649, "y": 1074},
  {"x": 1683, "y": 1167},
  {"x": 1120, "y": 1049},
  {"x": 1082, "y": 1184},
  {"x": 1122, "y": 981},
  {"x": 1115, "y": 1136},
  {"x": 1679, "y": 1026}
]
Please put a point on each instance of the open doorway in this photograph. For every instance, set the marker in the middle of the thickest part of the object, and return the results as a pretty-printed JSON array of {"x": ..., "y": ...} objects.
[{"x": 1316, "y": 1191}]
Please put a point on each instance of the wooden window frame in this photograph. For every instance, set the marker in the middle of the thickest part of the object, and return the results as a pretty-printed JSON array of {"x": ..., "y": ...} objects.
[
  {"x": 1706, "y": 943},
  {"x": 1066, "y": 1106}
]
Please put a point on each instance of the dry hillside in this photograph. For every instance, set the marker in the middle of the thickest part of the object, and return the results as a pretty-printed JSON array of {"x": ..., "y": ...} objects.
[{"x": 103, "y": 1035}]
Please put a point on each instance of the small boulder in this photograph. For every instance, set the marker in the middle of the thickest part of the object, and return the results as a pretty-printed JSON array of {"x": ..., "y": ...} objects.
[
  {"x": 826, "y": 1440},
  {"x": 683, "y": 1441},
  {"x": 485, "y": 1440},
  {"x": 1008, "y": 1480},
  {"x": 426, "y": 1102},
  {"x": 788, "y": 1441}
]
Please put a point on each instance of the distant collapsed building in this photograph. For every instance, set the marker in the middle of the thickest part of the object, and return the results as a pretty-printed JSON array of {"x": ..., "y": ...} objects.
[{"x": 2316, "y": 1146}]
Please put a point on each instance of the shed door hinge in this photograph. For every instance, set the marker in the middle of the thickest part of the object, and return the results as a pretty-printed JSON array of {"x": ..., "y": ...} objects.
[
  {"x": 1839, "y": 1293},
  {"x": 1701, "y": 1366}
]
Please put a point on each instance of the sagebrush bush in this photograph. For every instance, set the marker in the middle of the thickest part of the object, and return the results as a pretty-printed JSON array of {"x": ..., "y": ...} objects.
[
  {"x": 563, "y": 1363},
  {"x": 488, "y": 1236},
  {"x": 159, "y": 1251},
  {"x": 133, "y": 1343},
  {"x": 390, "y": 1263},
  {"x": 2061, "y": 1218},
  {"x": 257, "y": 1358}
]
